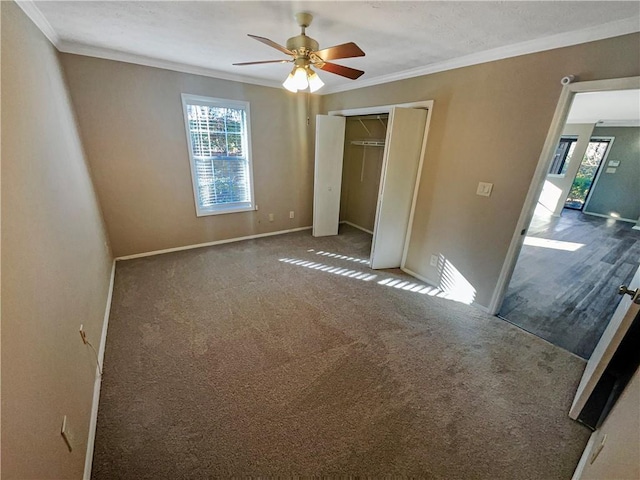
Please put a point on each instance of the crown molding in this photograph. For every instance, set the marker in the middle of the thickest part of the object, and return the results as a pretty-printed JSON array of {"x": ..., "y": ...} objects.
[
  {"x": 109, "y": 54},
  {"x": 33, "y": 12},
  {"x": 599, "y": 32}
]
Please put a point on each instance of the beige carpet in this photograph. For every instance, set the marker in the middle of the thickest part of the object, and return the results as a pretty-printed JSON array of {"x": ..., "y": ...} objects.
[{"x": 229, "y": 360}]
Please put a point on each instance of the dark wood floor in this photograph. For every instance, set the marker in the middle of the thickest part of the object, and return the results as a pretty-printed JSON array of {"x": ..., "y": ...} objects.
[{"x": 567, "y": 297}]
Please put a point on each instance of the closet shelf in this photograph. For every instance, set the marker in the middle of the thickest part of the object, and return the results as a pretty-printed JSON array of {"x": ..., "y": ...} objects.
[{"x": 370, "y": 142}]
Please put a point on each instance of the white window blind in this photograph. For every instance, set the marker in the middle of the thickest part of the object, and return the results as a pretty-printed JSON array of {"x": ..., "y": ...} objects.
[{"x": 218, "y": 137}]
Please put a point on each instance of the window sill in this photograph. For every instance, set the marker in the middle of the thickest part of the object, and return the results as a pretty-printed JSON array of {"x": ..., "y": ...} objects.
[{"x": 221, "y": 211}]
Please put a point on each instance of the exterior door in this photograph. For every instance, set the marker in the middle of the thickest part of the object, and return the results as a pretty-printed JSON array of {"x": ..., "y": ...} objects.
[
  {"x": 328, "y": 174},
  {"x": 614, "y": 333},
  {"x": 403, "y": 148},
  {"x": 591, "y": 163}
]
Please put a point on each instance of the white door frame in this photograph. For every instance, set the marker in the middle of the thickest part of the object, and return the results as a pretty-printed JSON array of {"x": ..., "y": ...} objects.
[
  {"x": 382, "y": 109},
  {"x": 537, "y": 182}
]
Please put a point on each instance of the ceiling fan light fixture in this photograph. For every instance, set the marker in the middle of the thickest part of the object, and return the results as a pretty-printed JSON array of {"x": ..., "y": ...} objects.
[
  {"x": 290, "y": 83},
  {"x": 315, "y": 83},
  {"x": 304, "y": 52},
  {"x": 300, "y": 78}
]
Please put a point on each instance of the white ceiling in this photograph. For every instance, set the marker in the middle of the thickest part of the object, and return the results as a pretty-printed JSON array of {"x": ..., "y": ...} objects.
[
  {"x": 401, "y": 39},
  {"x": 619, "y": 107}
]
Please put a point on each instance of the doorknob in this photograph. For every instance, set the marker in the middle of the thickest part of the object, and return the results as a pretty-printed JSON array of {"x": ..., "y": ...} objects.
[{"x": 623, "y": 289}]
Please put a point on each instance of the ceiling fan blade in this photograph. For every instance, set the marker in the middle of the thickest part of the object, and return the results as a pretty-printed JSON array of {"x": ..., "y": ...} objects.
[
  {"x": 271, "y": 43},
  {"x": 264, "y": 61},
  {"x": 351, "y": 73},
  {"x": 346, "y": 50}
]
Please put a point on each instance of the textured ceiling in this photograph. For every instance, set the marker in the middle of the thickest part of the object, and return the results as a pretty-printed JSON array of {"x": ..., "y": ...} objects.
[{"x": 396, "y": 36}]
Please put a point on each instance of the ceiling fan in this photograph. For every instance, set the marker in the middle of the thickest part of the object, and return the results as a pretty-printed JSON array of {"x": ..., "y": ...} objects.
[{"x": 305, "y": 53}]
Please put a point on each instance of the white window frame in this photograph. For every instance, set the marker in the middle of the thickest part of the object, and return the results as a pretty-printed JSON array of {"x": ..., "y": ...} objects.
[{"x": 188, "y": 99}]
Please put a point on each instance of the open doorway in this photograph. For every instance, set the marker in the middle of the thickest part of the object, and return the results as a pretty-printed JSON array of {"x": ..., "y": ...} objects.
[{"x": 581, "y": 242}]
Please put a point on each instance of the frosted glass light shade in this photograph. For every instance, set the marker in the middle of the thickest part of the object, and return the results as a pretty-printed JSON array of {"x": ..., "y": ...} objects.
[
  {"x": 314, "y": 81},
  {"x": 290, "y": 84},
  {"x": 300, "y": 78}
]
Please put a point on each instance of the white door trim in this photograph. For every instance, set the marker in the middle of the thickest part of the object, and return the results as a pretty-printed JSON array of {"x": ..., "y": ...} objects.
[
  {"x": 380, "y": 109},
  {"x": 537, "y": 182}
]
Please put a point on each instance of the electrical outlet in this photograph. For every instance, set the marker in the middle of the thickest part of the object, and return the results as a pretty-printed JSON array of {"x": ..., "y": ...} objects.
[
  {"x": 65, "y": 431},
  {"x": 484, "y": 189},
  {"x": 271, "y": 217},
  {"x": 434, "y": 261},
  {"x": 291, "y": 214}
]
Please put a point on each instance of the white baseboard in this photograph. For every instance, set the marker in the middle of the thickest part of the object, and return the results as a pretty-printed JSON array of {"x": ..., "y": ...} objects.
[
  {"x": 209, "y": 244},
  {"x": 357, "y": 226},
  {"x": 431, "y": 284},
  {"x": 419, "y": 277},
  {"x": 483, "y": 308},
  {"x": 610, "y": 217},
  {"x": 91, "y": 440}
]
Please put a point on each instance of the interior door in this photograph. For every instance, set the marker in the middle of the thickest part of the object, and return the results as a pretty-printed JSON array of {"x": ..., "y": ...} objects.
[
  {"x": 403, "y": 148},
  {"x": 328, "y": 174},
  {"x": 620, "y": 322}
]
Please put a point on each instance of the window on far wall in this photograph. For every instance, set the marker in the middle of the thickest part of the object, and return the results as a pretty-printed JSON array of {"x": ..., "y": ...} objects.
[
  {"x": 220, "y": 154},
  {"x": 563, "y": 154}
]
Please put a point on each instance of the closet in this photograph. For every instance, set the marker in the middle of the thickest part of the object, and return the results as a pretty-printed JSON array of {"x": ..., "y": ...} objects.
[
  {"x": 379, "y": 157},
  {"x": 362, "y": 169}
]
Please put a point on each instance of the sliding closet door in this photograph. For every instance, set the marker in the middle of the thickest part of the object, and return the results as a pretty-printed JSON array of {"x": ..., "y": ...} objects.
[
  {"x": 328, "y": 174},
  {"x": 399, "y": 171}
]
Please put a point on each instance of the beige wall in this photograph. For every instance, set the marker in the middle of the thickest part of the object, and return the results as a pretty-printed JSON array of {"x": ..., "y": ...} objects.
[
  {"x": 55, "y": 262},
  {"x": 359, "y": 193},
  {"x": 489, "y": 124},
  {"x": 132, "y": 127}
]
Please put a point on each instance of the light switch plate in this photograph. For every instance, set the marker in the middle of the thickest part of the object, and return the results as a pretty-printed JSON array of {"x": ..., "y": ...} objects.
[{"x": 484, "y": 189}]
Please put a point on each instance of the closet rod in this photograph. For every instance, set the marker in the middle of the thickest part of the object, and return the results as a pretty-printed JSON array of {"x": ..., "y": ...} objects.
[{"x": 368, "y": 143}]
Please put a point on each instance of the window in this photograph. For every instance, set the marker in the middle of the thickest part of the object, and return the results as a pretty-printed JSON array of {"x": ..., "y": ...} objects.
[
  {"x": 562, "y": 157},
  {"x": 220, "y": 154}
]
